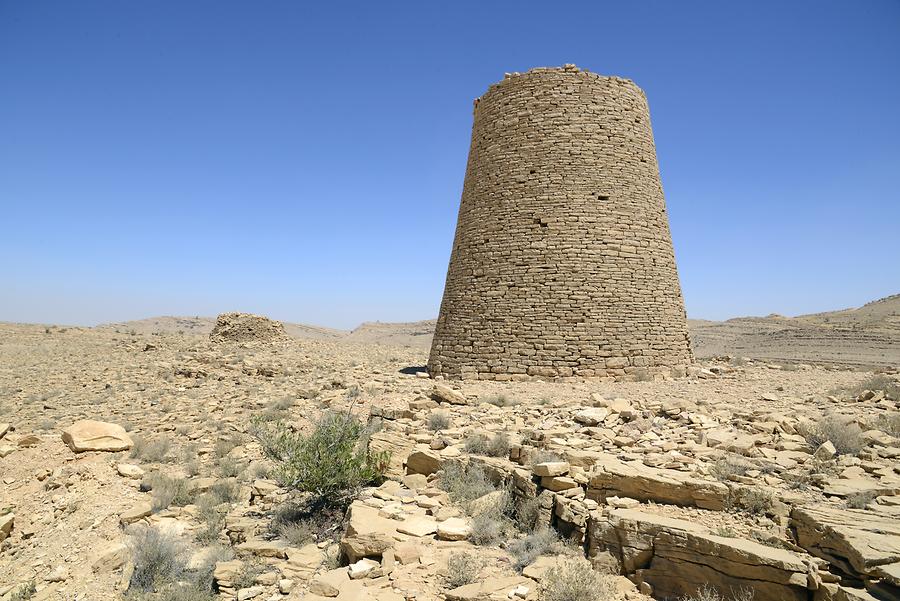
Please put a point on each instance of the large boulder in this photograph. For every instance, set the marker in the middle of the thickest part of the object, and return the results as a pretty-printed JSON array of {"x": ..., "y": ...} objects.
[
  {"x": 245, "y": 327},
  {"x": 90, "y": 435}
]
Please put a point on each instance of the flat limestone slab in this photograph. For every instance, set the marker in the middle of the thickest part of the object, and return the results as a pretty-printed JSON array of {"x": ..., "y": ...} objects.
[
  {"x": 857, "y": 540},
  {"x": 614, "y": 478},
  {"x": 91, "y": 435}
]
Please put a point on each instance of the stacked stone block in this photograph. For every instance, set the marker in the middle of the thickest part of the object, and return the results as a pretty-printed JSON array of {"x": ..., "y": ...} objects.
[{"x": 562, "y": 264}]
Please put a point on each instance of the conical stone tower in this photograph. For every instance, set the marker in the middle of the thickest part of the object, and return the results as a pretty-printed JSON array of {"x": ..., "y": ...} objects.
[{"x": 562, "y": 263}]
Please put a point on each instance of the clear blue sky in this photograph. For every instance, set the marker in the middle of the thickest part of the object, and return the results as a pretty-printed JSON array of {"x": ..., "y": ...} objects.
[{"x": 306, "y": 162}]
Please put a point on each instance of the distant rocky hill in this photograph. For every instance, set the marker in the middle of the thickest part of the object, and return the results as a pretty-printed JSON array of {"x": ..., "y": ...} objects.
[{"x": 868, "y": 335}]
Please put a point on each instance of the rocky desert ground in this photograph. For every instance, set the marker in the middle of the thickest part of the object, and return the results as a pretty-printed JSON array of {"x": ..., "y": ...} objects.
[{"x": 180, "y": 459}]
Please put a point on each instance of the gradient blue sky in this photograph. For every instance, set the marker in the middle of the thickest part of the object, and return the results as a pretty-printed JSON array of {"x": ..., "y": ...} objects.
[{"x": 306, "y": 161}]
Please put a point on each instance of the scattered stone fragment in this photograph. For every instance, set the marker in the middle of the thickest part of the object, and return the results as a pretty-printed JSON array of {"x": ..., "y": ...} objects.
[
  {"x": 443, "y": 393},
  {"x": 90, "y": 435}
]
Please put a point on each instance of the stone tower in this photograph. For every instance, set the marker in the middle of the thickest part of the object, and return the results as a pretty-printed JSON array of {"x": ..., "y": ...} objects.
[{"x": 562, "y": 263}]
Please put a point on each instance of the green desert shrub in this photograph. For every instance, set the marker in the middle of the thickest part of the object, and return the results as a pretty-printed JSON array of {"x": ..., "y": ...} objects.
[{"x": 332, "y": 460}]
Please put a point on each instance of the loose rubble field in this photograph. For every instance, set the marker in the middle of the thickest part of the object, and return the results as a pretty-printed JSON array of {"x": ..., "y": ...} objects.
[{"x": 749, "y": 478}]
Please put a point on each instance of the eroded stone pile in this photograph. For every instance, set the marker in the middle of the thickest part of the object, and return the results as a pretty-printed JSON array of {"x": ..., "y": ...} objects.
[{"x": 246, "y": 328}]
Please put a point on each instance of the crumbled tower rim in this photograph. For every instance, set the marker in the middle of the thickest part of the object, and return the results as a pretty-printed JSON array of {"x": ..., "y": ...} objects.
[{"x": 562, "y": 264}]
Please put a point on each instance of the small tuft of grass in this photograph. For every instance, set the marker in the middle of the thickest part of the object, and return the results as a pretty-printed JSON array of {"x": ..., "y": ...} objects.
[
  {"x": 575, "y": 580},
  {"x": 752, "y": 500},
  {"x": 438, "y": 420},
  {"x": 859, "y": 500},
  {"x": 166, "y": 491},
  {"x": 729, "y": 467},
  {"x": 24, "y": 592},
  {"x": 462, "y": 569},
  {"x": 528, "y": 548},
  {"x": 501, "y": 400},
  {"x": 480, "y": 443},
  {"x": 464, "y": 482},
  {"x": 158, "y": 559},
  {"x": 151, "y": 451},
  {"x": 844, "y": 434},
  {"x": 708, "y": 593}
]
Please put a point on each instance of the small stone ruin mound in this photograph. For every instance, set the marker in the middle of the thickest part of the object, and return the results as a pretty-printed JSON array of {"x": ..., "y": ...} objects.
[{"x": 246, "y": 327}]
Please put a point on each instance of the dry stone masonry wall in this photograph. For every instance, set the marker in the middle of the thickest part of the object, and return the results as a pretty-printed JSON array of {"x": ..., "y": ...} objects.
[{"x": 562, "y": 264}]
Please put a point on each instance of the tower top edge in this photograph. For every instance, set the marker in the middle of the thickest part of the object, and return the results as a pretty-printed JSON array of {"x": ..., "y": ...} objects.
[{"x": 568, "y": 70}]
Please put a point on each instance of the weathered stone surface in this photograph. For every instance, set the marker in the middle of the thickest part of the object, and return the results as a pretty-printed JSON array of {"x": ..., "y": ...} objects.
[
  {"x": 843, "y": 487},
  {"x": 418, "y": 526},
  {"x": 489, "y": 588},
  {"x": 139, "y": 511},
  {"x": 362, "y": 568},
  {"x": 302, "y": 563},
  {"x": 454, "y": 529},
  {"x": 633, "y": 479},
  {"x": 372, "y": 544},
  {"x": 329, "y": 584},
  {"x": 129, "y": 470},
  {"x": 551, "y": 468},
  {"x": 90, "y": 435},
  {"x": 423, "y": 461},
  {"x": 676, "y": 557},
  {"x": 591, "y": 416},
  {"x": 110, "y": 557},
  {"x": 398, "y": 447},
  {"x": 6, "y": 525},
  {"x": 264, "y": 548},
  {"x": 444, "y": 393},
  {"x": 859, "y": 542}
]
